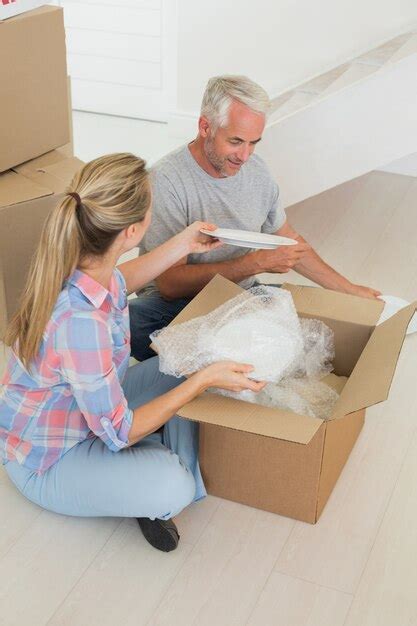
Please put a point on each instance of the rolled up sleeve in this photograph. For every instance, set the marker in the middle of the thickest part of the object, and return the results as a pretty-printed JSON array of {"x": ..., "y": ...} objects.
[
  {"x": 276, "y": 216},
  {"x": 84, "y": 346}
]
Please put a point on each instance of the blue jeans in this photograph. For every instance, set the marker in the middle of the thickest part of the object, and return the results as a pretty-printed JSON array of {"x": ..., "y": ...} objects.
[
  {"x": 149, "y": 312},
  {"x": 155, "y": 478}
]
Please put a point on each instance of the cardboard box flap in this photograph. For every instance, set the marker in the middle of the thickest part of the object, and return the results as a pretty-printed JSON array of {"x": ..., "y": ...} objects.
[
  {"x": 15, "y": 188},
  {"x": 218, "y": 291},
  {"x": 56, "y": 175},
  {"x": 42, "y": 161},
  {"x": 371, "y": 379},
  {"x": 320, "y": 302},
  {"x": 210, "y": 408}
]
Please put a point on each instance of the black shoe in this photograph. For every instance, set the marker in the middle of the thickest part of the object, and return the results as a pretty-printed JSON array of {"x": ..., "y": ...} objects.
[{"x": 161, "y": 534}]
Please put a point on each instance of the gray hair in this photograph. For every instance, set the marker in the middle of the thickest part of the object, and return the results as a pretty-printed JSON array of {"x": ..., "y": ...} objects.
[{"x": 222, "y": 90}]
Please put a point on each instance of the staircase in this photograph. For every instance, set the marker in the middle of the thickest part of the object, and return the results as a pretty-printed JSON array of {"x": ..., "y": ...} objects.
[{"x": 344, "y": 123}]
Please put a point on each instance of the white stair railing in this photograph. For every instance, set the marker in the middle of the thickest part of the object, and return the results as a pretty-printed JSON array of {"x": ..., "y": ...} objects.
[{"x": 357, "y": 117}]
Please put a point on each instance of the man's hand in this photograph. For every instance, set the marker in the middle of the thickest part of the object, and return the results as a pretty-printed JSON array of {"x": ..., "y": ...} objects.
[
  {"x": 362, "y": 291},
  {"x": 282, "y": 259}
]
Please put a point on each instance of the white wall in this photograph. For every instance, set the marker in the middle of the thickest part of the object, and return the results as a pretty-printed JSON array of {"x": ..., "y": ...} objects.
[
  {"x": 406, "y": 166},
  {"x": 279, "y": 43}
]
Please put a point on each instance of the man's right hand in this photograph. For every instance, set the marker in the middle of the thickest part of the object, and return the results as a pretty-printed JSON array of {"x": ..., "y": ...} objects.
[{"x": 280, "y": 260}]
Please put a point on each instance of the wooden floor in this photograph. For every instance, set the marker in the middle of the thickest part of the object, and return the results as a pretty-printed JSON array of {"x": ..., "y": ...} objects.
[{"x": 236, "y": 565}]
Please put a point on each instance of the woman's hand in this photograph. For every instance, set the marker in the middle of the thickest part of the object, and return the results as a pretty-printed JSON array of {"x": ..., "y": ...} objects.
[
  {"x": 196, "y": 242},
  {"x": 228, "y": 375}
]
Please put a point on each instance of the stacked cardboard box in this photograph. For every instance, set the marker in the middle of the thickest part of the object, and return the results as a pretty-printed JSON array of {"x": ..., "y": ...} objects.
[
  {"x": 35, "y": 140},
  {"x": 34, "y": 96}
]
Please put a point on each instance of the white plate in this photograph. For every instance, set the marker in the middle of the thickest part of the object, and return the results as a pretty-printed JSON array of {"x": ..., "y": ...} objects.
[{"x": 248, "y": 239}]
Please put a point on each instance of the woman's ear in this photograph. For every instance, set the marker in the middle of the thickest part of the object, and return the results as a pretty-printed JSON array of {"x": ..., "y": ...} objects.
[{"x": 132, "y": 231}]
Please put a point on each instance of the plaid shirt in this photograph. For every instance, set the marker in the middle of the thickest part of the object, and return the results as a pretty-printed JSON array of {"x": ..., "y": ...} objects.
[{"x": 73, "y": 389}]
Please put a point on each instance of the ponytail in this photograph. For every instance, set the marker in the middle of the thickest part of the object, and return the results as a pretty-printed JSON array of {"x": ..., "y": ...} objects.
[
  {"x": 55, "y": 259},
  {"x": 109, "y": 194}
]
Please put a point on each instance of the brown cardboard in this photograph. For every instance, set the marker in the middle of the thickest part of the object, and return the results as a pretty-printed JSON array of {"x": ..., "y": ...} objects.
[
  {"x": 341, "y": 435},
  {"x": 262, "y": 472},
  {"x": 33, "y": 79},
  {"x": 27, "y": 194},
  {"x": 280, "y": 461},
  {"x": 68, "y": 149},
  {"x": 351, "y": 318},
  {"x": 380, "y": 357},
  {"x": 219, "y": 410}
]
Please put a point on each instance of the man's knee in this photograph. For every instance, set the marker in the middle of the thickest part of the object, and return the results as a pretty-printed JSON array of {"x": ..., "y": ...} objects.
[
  {"x": 144, "y": 319},
  {"x": 150, "y": 312}
]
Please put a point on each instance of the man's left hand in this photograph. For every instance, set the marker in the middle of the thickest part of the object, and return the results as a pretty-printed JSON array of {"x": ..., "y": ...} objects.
[{"x": 363, "y": 292}]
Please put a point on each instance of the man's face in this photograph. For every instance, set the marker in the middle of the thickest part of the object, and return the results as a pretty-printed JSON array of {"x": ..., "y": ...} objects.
[{"x": 229, "y": 147}]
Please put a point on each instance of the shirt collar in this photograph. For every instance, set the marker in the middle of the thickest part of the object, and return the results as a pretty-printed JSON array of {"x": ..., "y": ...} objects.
[{"x": 94, "y": 291}]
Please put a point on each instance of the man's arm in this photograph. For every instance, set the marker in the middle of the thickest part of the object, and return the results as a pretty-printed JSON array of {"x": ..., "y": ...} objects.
[
  {"x": 185, "y": 280},
  {"x": 312, "y": 266}
]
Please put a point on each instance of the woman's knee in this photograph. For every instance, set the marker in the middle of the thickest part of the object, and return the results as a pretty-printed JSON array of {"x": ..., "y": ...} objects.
[{"x": 181, "y": 490}]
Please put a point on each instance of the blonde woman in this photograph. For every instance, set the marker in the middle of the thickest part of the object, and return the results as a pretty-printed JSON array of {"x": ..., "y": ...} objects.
[{"x": 80, "y": 433}]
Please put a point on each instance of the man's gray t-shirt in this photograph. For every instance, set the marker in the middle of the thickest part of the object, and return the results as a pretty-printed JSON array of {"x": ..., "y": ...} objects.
[{"x": 184, "y": 193}]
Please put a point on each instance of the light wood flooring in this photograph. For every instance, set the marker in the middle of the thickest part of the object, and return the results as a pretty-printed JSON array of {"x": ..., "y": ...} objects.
[{"x": 236, "y": 565}]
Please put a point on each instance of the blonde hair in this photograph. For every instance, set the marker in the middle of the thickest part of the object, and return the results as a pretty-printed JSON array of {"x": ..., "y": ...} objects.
[
  {"x": 110, "y": 193},
  {"x": 222, "y": 90}
]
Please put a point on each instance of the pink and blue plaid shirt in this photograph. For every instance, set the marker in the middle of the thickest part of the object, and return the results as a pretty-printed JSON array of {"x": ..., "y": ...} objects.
[{"x": 73, "y": 389}]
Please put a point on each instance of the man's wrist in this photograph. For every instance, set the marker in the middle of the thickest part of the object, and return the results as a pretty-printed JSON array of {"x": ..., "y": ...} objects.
[
  {"x": 346, "y": 286},
  {"x": 251, "y": 263}
]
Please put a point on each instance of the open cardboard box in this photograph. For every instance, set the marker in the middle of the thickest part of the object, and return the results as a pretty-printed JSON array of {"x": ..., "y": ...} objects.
[
  {"x": 33, "y": 82},
  {"x": 27, "y": 193},
  {"x": 277, "y": 460}
]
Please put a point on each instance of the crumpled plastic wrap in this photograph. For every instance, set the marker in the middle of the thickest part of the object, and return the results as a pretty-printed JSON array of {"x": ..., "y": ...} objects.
[
  {"x": 305, "y": 396},
  {"x": 260, "y": 327}
]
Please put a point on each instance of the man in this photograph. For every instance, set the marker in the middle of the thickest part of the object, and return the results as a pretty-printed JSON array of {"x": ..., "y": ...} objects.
[{"x": 217, "y": 178}]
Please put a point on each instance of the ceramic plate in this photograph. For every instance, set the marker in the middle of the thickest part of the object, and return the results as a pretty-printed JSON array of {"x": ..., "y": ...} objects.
[{"x": 248, "y": 239}]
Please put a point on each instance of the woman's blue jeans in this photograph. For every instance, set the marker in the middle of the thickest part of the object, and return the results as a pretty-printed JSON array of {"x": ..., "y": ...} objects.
[{"x": 156, "y": 478}]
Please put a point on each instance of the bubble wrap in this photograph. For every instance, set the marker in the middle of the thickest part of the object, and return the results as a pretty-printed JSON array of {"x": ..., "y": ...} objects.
[
  {"x": 305, "y": 396},
  {"x": 260, "y": 327}
]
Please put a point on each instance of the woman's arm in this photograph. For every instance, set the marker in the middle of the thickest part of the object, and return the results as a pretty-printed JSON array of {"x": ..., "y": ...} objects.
[
  {"x": 225, "y": 374},
  {"x": 85, "y": 351},
  {"x": 139, "y": 272}
]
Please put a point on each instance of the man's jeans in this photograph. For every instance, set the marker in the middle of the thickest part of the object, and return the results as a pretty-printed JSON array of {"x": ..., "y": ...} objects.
[{"x": 150, "y": 312}]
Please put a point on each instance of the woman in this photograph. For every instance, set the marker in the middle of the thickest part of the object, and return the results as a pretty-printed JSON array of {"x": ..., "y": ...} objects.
[{"x": 81, "y": 433}]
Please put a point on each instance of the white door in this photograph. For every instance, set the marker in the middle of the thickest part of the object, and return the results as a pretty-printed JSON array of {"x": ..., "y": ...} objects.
[{"x": 121, "y": 56}]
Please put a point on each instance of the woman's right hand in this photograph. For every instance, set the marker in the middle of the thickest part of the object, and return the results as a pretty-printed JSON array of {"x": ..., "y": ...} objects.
[
  {"x": 229, "y": 375},
  {"x": 196, "y": 242}
]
